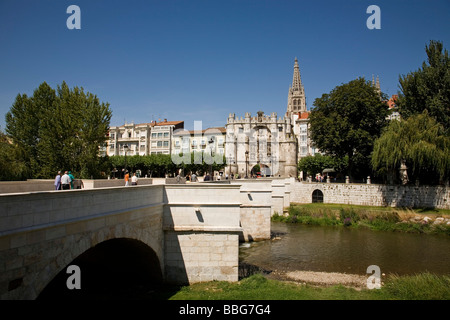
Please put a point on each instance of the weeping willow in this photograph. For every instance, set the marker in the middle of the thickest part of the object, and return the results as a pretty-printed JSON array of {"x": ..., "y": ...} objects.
[{"x": 421, "y": 142}]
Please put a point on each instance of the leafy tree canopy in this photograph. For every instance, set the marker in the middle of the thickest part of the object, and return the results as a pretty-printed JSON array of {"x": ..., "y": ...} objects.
[
  {"x": 317, "y": 163},
  {"x": 346, "y": 122},
  {"x": 428, "y": 88},
  {"x": 59, "y": 129},
  {"x": 420, "y": 141}
]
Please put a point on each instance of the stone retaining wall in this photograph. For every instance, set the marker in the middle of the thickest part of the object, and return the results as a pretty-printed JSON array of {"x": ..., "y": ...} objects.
[{"x": 374, "y": 194}]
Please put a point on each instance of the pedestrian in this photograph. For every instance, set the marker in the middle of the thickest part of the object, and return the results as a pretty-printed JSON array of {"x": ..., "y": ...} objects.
[
  {"x": 72, "y": 178},
  {"x": 65, "y": 181},
  {"x": 193, "y": 177},
  {"x": 127, "y": 178},
  {"x": 134, "y": 180},
  {"x": 207, "y": 177},
  {"x": 58, "y": 181}
]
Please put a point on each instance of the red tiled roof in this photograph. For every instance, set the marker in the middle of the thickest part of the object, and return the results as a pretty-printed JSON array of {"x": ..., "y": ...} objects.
[
  {"x": 168, "y": 123},
  {"x": 303, "y": 115}
]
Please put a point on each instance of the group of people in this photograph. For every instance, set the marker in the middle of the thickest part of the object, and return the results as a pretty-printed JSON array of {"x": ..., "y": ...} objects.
[
  {"x": 64, "y": 182},
  {"x": 134, "y": 179}
]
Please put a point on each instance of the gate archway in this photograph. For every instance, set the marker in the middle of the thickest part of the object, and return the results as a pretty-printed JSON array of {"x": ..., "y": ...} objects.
[{"x": 317, "y": 196}]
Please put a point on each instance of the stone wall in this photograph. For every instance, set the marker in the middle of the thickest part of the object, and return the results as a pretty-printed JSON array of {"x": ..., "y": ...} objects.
[
  {"x": 34, "y": 185},
  {"x": 201, "y": 256},
  {"x": 201, "y": 226},
  {"x": 256, "y": 208},
  {"x": 26, "y": 186},
  {"x": 374, "y": 194}
]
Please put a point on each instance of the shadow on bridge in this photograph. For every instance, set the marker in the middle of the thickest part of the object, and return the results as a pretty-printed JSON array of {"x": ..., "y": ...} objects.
[{"x": 120, "y": 268}]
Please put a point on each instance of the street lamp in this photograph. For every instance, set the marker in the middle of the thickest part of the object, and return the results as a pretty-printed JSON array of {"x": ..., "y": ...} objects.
[
  {"x": 125, "y": 148},
  {"x": 246, "y": 164},
  {"x": 211, "y": 141}
]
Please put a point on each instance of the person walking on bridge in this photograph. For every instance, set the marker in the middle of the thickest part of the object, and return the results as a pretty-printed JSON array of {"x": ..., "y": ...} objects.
[
  {"x": 72, "y": 178},
  {"x": 65, "y": 181},
  {"x": 58, "y": 181}
]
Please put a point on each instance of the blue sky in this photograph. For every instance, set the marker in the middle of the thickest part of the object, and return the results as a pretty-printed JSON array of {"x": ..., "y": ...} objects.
[{"x": 201, "y": 60}]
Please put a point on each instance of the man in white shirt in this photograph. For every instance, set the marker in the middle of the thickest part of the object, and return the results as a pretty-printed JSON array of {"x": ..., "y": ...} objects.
[
  {"x": 65, "y": 181},
  {"x": 134, "y": 180}
]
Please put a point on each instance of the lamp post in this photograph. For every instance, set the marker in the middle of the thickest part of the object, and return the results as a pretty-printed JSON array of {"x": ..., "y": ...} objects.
[
  {"x": 125, "y": 148},
  {"x": 246, "y": 164},
  {"x": 211, "y": 141}
]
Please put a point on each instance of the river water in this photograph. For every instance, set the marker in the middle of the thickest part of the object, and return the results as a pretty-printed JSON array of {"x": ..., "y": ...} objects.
[{"x": 347, "y": 250}]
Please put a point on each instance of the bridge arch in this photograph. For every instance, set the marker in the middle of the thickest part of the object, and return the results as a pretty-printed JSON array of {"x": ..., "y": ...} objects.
[{"x": 114, "y": 268}]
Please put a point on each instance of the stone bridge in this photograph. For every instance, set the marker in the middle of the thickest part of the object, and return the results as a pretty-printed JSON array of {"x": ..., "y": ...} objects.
[
  {"x": 159, "y": 233},
  {"x": 177, "y": 233}
]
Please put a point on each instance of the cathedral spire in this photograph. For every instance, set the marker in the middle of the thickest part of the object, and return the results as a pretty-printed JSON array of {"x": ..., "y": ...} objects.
[
  {"x": 296, "y": 96},
  {"x": 296, "y": 79}
]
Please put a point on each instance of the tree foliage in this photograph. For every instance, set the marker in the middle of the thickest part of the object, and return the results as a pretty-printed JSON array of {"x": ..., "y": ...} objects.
[
  {"x": 317, "y": 163},
  {"x": 59, "y": 130},
  {"x": 428, "y": 88},
  {"x": 346, "y": 122},
  {"x": 158, "y": 165},
  {"x": 11, "y": 165},
  {"x": 420, "y": 141}
]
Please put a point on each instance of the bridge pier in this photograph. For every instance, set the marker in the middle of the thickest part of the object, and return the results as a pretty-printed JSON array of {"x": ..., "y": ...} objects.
[{"x": 201, "y": 225}]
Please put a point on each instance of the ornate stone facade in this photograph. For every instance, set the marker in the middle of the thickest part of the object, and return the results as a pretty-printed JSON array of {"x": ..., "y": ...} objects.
[
  {"x": 271, "y": 142},
  {"x": 267, "y": 141}
]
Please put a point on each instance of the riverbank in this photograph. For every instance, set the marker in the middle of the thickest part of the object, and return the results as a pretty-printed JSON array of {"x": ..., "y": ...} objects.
[
  {"x": 424, "y": 286},
  {"x": 428, "y": 221}
]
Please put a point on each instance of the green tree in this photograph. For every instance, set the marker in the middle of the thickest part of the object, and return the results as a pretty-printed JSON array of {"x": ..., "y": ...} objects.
[
  {"x": 346, "y": 122},
  {"x": 11, "y": 165},
  {"x": 420, "y": 141},
  {"x": 59, "y": 130},
  {"x": 24, "y": 123},
  {"x": 317, "y": 163},
  {"x": 428, "y": 88}
]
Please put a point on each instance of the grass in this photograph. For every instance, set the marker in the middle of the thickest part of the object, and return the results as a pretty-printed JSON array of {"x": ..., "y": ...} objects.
[
  {"x": 375, "y": 218},
  {"x": 424, "y": 286}
]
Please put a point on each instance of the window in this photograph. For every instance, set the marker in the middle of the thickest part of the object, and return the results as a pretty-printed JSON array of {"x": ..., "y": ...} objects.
[
  {"x": 154, "y": 135},
  {"x": 303, "y": 151},
  {"x": 280, "y": 129},
  {"x": 160, "y": 134},
  {"x": 165, "y": 143},
  {"x": 241, "y": 130},
  {"x": 166, "y": 134},
  {"x": 159, "y": 144}
]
